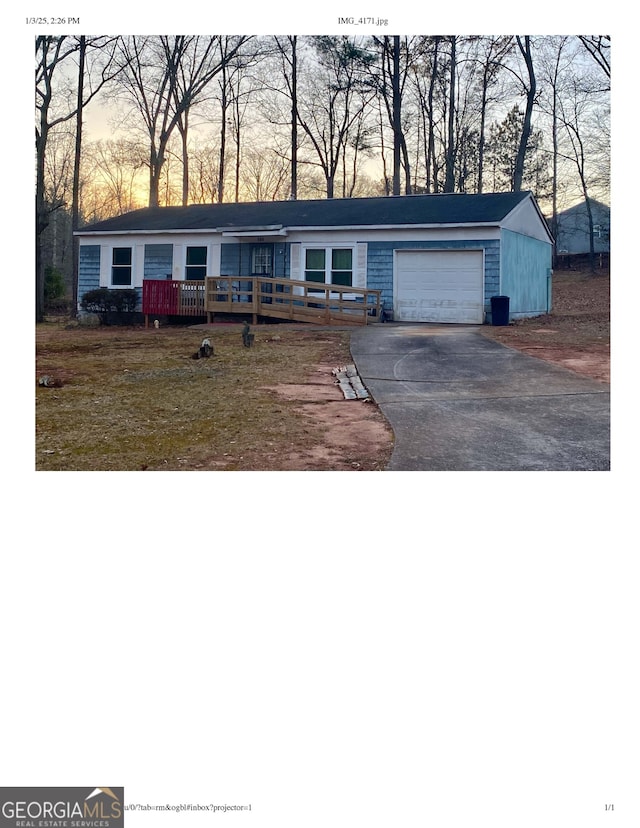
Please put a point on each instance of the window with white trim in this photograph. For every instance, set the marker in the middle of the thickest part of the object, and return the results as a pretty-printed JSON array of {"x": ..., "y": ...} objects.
[
  {"x": 329, "y": 265},
  {"x": 196, "y": 264},
  {"x": 121, "y": 266}
]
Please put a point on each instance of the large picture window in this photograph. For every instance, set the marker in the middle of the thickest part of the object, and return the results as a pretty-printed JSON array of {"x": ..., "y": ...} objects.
[
  {"x": 121, "y": 266},
  {"x": 330, "y": 265},
  {"x": 196, "y": 265}
]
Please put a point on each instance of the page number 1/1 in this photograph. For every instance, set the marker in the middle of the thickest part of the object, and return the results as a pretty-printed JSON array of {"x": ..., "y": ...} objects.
[{"x": 608, "y": 807}]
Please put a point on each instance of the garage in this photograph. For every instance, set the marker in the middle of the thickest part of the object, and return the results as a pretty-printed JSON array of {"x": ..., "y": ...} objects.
[{"x": 439, "y": 286}]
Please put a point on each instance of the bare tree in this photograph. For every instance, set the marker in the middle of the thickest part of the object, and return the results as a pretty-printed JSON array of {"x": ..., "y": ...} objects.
[
  {"x": 555, "y": 63},
  {"x": 204, "y": 178},
  {"x": 288, "y": 50},
  {"x": 425, "y": 77},
  {"x": 336, "y": 100},
  {"x": 57, "y": 103},
  {"x": 390, "y": 75},
  {"x": 266, "y": 175},
  {"x": 96, "y": 68},
  {"x": 238, "y": 87},
  {"x": 114, "y": 169},
  {"x": 163, "y": 78},
  {"x": 451, "y": 148},
  {"x": 581, "y": 120},
  {"x": 524, "y": 45},
  {"x": 490, "y": 54},
  {"x": 599, "y": 47}
]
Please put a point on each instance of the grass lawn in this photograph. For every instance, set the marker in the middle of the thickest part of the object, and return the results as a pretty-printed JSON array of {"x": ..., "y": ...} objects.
[{"x": 135, "y": 399}]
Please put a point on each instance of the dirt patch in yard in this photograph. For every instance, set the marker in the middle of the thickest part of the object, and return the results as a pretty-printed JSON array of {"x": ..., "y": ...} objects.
[
  {"x": 356, "y": 436},
  {"x": 576, "y": 334}
]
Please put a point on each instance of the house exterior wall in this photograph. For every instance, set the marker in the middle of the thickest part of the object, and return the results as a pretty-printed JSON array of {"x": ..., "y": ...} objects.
[
  {"x": 158, "y": 261},
  {"x": 525, "y": 275},
  {"x": 516, "y": 261},
  {"x": 526, "y": 220},
  {"x": 381, "y": 244},
  {"x": 380, "y": 261},
  {"x": 573, "y": 229},
  {"x": 88, "y": 269}
]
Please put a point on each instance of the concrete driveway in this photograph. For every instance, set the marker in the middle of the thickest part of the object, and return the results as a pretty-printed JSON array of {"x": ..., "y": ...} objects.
[{"x": 458, "y": 401}]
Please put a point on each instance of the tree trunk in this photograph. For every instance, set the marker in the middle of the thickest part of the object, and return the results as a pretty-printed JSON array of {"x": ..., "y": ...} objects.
[
  {"x": 554, "y": 194},
  {"x": 155, "y": 167},
  {"x": 431, "y": 182},
  {"x": 330, "y": 184},
  {"x": 75, "y": 199},
  {"x": 592, "y": 252},
  {"x": 449, "y": 183},
  {"x": 481, "y": 139},
  {"x": 223, "y": 136},
  {"x": 42, "y": 218},
  {"x": 41, "y": 224},
  {"x": 237, "y": 136},
  {"x": 294, "y": 118},
  {"x": 518, "y": 172},
  {"x": 397, "y": 124},
  {"x": 183, "y": 129}
]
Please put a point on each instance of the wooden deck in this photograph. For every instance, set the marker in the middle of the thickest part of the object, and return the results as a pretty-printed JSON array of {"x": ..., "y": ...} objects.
[{"x": 286, "y": 299}]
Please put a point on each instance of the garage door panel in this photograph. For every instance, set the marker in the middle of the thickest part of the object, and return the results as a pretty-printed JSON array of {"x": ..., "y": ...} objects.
[{"x": 439, "y": 286}]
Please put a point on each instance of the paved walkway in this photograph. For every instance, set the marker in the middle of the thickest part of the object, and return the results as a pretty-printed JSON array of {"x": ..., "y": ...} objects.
[{"x": 458, "y": 401}]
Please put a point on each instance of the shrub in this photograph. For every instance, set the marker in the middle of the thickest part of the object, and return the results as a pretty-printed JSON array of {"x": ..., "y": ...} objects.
[
  {"x": 105, "y": 302},
  {"x": 53, "y": 284}
]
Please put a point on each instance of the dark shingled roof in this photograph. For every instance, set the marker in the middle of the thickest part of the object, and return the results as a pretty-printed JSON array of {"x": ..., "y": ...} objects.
[{"x": 445, "y": 208}]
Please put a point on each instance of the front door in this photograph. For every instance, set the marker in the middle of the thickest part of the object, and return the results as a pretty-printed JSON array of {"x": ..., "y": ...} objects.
[
  {"x": 262, "y": 265},
  {"x": 262, "y": 260}
]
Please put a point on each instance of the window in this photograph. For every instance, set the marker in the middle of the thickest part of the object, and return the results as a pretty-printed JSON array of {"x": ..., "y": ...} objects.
[
  {"x": 332, "y": 266},
  {"x": 314, "y": 265},
  {"x": 341, "y": 266},
  {"x": 261, "y": 260},
  {"x": 121, "y": 266},
  {"x": 196, "y": 267}
]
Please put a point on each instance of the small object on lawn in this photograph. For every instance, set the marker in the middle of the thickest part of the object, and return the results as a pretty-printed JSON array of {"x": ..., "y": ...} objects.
[
  {"x": 156, "y": 324},
  {"x": 205, "y": 350},
  {"x": 247, "y": 337},
  {"x": 49, "y": 382}
]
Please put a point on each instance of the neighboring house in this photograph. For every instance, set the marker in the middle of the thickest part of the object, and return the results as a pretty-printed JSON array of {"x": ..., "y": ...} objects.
[
  {"x": 434, "y": 258},
  {"x": 572, "y": 237}
]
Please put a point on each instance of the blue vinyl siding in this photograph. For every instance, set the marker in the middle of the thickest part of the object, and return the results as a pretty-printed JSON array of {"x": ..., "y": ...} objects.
[
  {"x": 89, "y": 272},
  {"x": 526, "y": 272},
  {"x": 235, "y": 259},
  {"x": 380, "y": 264},
  {"x": 88, "y": 269},
  {"x": 281, "y": 260},
  {"x": 158, "y": 261},
  {"x": 230, "y": 260}
]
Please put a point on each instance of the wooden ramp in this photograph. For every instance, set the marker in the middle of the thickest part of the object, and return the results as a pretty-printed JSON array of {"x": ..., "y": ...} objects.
[{"x": 286, "y": 299}]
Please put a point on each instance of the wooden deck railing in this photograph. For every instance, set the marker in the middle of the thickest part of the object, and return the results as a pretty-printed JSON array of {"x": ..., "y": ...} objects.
[
  {"x": 169, "y": 298},
  {"x": 289, "y": 299}
]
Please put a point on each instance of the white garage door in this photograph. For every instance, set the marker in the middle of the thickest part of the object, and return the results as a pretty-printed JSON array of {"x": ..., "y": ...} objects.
[{"x": 439, "y": 286}]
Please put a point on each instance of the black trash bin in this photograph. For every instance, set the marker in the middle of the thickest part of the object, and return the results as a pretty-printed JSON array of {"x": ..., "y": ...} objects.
[{"x": 499, "y": 310}]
